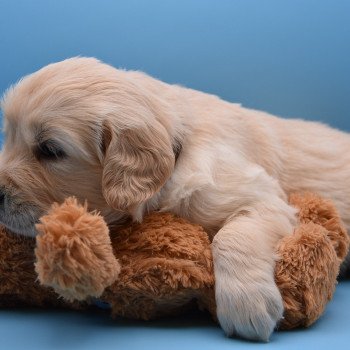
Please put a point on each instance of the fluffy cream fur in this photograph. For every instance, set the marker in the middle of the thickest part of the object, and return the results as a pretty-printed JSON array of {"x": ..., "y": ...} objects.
[{"x": 118, "y": 131}]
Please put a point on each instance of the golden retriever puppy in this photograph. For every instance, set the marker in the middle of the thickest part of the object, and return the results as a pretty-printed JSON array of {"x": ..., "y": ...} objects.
[{"x": 130, "y": 144}]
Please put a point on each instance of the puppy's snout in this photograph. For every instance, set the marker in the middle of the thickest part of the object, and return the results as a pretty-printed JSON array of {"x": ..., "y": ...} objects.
[
  {"x": 2, "y": 199},
  {"x": 5, "y": 202}
]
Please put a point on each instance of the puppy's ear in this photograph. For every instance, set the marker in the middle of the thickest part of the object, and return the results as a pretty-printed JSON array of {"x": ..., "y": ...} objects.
[{"x": 137, "y": 162}]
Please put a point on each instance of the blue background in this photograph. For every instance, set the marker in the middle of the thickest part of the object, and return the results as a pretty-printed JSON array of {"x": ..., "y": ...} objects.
[{"x": 289, "y": 58}]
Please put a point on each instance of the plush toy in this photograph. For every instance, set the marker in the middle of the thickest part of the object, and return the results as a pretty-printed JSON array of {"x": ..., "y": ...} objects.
[{"x": 163, "y": 265}]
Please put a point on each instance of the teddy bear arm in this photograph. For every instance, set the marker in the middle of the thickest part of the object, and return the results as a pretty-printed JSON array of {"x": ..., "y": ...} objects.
[{"x": 74, "y": 253}]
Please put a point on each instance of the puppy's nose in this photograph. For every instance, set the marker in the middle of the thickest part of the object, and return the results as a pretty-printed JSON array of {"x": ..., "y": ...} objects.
[{"x": 2, "y": 198}]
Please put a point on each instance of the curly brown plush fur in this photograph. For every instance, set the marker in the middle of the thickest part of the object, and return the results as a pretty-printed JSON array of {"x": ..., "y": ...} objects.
[
  {"x": 19, "y": 285},
  {"x": 165, "y": 261},
  {"x": 163, "y": 265},
  {"x": 75, "y": 256},
  {"x": 310, "y": 260}
]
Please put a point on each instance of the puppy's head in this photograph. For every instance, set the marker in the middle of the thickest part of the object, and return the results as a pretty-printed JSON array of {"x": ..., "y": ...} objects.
[{"x": 80, "y": 127}]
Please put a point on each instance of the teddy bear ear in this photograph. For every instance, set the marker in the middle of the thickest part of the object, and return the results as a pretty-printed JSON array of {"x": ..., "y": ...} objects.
[
  {"x": 322, "y": 211},
  {"x": 136, "y": 163}
]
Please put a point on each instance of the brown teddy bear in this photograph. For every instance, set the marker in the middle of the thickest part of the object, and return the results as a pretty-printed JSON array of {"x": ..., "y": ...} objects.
[{"x": 162, "y": 266}]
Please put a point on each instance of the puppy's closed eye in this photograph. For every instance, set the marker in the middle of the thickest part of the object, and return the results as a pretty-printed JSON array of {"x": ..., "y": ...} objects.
[{"x": 49, "y": 150}]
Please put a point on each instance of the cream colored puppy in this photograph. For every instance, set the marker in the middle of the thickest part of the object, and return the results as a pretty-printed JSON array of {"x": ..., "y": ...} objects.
[{"x": 131, "y": 144}]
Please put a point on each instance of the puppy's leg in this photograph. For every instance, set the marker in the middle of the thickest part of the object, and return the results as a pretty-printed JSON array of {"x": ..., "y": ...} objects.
[{"x": 248, "y": 301}]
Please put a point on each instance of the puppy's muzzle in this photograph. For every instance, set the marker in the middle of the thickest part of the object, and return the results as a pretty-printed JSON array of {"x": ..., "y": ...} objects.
[
  {"x": 2, "y": 199},
  {"x": 19, "y": 217}
]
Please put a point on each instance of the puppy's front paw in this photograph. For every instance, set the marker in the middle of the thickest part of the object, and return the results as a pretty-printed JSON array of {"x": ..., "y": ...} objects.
[{"x": 248, "y": 309}]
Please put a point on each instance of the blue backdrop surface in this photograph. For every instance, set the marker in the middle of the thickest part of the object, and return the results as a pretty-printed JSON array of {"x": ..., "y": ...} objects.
[
  {"x": 59, "y": 330},
  {"x": 287, "y": 57},
  {"x": 290, "y": 58}
]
